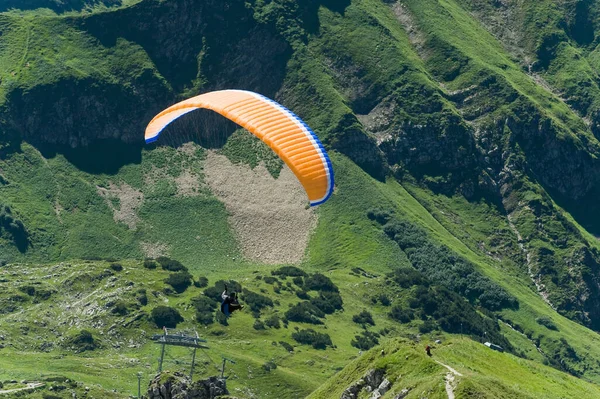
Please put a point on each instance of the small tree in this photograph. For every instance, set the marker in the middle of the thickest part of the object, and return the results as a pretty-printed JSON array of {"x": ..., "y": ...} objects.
[
  {"x": 180, "y": 281},
  {"x": 165, "y": 316},
  {"x": 363, "y": 318}
]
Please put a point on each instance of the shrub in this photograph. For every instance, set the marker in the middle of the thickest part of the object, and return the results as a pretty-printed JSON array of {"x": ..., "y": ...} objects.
[
  {"x": 221, "y": 318},
  {"x": 81, "y": 341},
  {"x": 289, "y": 271},
  {"x": 302, "y": 295},
  {"x": 268, "y": 366},
  {"x": 150, "y": 264},
  {"x": 165, "y": 316},
  {"x": 327, "y": 301},
  {"x": 204, "y": 309},
  {"x": 286, "y": 346},
  {"x": 142, "y": 298},
  {"x": 440, "y": 265},
  {"x": 363, "y": 318},
  {"x": 14, "y": 227},
  {"x": 42, "y": 295},
  {"x": 258, "y": 325},
  {"x": 304, "y": 312},
  {"x": 273, "y": 322},
  {"x": 171, "y": 264},
  {"x": 365, "y": 341},
  {"x": 27, "y": 289},
  {"x": 180, "y": 281},
  {"x": 311, "y": 337},
  {"x": 546, "y": 322},
  {"x": 269, "y": 279},
  {"x": 427, "y": 327},
  {"x": 299, "y": 281},
  {"x": 255, "y": 301},
  {"x": 407, "y": 277},
  {"x": 120, "y": 308},
  {"x": 116, "y": 267},
  {"x": 201, "y": 282},
  {"x": 384, "y": 300},
  {"x": 402, "y": 315},
  {"x": 380, "y": 215},
  {"x": 319, "y": 282}
]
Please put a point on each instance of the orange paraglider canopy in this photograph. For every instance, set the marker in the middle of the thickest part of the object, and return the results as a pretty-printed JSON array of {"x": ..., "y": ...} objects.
[{"x": 285, "y": 133}]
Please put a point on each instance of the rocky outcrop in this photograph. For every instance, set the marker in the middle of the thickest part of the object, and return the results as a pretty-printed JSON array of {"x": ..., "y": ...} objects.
[
  {"x": 373, "y": 382},
  {"x": 178, "y": 386}
]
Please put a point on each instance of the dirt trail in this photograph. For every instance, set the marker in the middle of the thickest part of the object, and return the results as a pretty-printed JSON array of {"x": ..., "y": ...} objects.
[
  {"x": 29, "y": 386},
  {"x": 270, "y": 217},
  {"x": 450, "y": 379}
]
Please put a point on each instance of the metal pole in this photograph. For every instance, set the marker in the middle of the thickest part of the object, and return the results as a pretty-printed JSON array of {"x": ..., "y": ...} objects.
[
  {"x": 193, "y": 361},
  {"x": 162, "y": 355},
  {"x": 223, "y": 368},
  {"x": 139, "y": 376}
]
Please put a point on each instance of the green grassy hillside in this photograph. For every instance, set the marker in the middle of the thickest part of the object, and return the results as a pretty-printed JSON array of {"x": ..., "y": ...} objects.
[
  {"x": 465, "y": 146},
  {"x": 473, "y": 373}
]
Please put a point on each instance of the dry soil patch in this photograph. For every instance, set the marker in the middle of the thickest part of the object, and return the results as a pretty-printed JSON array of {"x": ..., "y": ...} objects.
[{"x": 269, "y": 216}]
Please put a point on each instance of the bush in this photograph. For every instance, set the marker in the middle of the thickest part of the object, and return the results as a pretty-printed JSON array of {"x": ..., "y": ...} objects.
[
  {"x": 142, "y": 298},
  {"x": 319, "y": 282},
  {"x": 201, "y": 282},
  {"x": 402, "y": 315},
  {"x": 81, "y": 341},
  {"x": 327, "y": 302},
  {"x": 407, "y": 278},
  {"x": 311, "y": 337},
  {"x": 204, "y": 309},
  {"x": 258, "y": 325},
  {"x": 180, "y": 281},
  {"x": 221, "y": 318},
  {"x": 150, "y": 264},
  {"x": 380, "y": 215},
  {"x": 165, "y": 316},
  {"x": 116, "y": 267},
  {"x": 27, "y": 289},
  {"x": 120, "y": 308},
  {"x": 255, "y": 301},
  {"x": 384, "y": 300},
  {"x": 286, "y": 346},
  {"x": 269, "y": 279},
  {"x": 14, "y": 227},
  {"x": 427, "y": 327},
  {"x": 299, "y": 281},
  {"x": 289, "y": 271},
  {"x": 363, "y": 318},
  {"x": 440, "y": 265},
  {"x": 273, "y": 322},
  {"x": 268, "y": 366},
  {"x": 546, "y": 322},
  {"x": 171, "y": 264},
  {"x": 365, "y": 341},
  {"x": 304, "y": 312},
  {"x": 302, "y": 295}
]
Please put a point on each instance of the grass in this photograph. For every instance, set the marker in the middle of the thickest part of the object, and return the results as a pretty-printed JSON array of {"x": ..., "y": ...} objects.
[{"x": 355, "y": 58}]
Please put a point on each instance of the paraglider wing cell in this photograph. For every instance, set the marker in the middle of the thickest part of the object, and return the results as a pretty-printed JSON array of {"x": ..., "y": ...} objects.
[{"x": 284, "y": 132}]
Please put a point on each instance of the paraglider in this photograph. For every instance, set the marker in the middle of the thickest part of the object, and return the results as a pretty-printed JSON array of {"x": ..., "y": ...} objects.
[
  {"x": 284, "y": 132},
  {"x": 229, "y": 303}
]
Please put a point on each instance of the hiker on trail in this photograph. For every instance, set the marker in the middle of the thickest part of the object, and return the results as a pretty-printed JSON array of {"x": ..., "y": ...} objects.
[
  {"x": 428, "y": 350},
  {"x": 230, "y": 303}
]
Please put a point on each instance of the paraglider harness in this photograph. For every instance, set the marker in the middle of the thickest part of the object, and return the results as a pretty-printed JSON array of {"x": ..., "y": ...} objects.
[{"x": 230, "y": 303}]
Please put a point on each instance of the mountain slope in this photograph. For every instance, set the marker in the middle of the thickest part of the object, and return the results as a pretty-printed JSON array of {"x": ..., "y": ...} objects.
[{"x": 463, "y": 138}]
